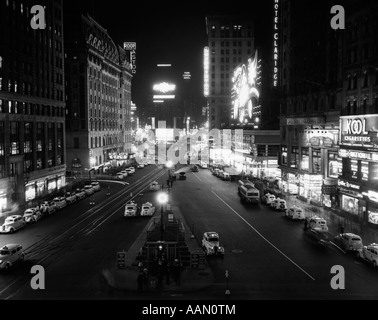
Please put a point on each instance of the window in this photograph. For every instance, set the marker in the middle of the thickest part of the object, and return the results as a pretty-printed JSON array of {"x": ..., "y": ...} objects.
[
  {"x": 27, "y": 147},
  {"x": 284, "y": 155},
  {"x": 305, "y": 159},
  {"x": 294, "y": 157},
  {"x": 316, "y": 161}
]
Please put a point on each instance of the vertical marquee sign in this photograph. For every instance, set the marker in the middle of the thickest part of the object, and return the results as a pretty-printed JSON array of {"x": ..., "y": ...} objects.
[
  {"x": 275, "y": 42},
  {"x": 206, "y": 66},
  {"x": 131, "y": 48}
]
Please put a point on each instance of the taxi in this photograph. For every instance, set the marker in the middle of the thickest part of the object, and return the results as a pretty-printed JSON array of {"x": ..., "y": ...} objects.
[
  {"x": 348, "y": 241},
  {"x": 317, "y": 223},
  {"x": 369, "y": 253},
  {"x": 295, "y": 213},
  {"x": 279, "y": 204},
  {"x": 147, "y": 210},
  {"x": 210, "y": 244},
  {"x": 131, "y": 209},
  {"x": 10, "y": 255},
  {"x": 268, "y": 198}
]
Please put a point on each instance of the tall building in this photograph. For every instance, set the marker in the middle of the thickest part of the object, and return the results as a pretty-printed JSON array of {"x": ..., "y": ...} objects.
[
  {"x": 98, "y": 114},
  {"x": 230, "y": 44},
  {"x": 32, "y": 106},
  {"x": 310, "y": 82}
]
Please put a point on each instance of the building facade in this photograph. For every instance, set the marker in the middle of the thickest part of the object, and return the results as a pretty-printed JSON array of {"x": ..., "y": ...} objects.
[
  {"x": 98, "y": 115},
  {"x": 32, "y": 103},
  {"x": 230, "y": 43}
]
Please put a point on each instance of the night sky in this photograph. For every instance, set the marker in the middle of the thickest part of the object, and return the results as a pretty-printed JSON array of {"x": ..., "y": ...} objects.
[{"x": 169, "y": 32}]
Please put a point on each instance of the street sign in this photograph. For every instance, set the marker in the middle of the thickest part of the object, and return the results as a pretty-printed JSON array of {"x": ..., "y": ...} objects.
[{"x": 121, "y": 260}]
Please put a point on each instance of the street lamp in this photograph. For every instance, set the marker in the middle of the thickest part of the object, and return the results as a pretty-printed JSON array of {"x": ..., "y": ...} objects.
[{"x": 162, "y": 199}]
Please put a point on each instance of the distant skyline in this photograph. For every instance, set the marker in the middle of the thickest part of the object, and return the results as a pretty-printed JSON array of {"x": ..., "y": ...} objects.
[{"x": 167, "y": 33}]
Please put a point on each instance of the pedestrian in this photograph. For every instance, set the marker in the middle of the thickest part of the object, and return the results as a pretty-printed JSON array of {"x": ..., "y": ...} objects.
[
  {"x": 146, "y": 279},
  {"x": 140, "y": 281}
]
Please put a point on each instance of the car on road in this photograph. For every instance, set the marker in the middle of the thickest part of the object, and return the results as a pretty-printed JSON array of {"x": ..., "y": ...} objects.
[
  {"x": 89, "y": 190},
  {"x": 148, "y": 210},
  {"x": 369, "y": 253},
  {"x": 317, "y": 223},
  {"x": 131, "y": 209},
  {"x": 279, "y": 204},
  {"x": 182, "y": 176},
  {"x": 12, "y": 224},
  {"x": 80, "y": 194},
  {"x": 319, "y": 236},
  {"x": 10, "y": 255},
  {"x": 48, "y": 207},
  {"x": 295, "y": 213},
  {"x": 140, "y": 165},
  {"x": 96, "y": 186},
  {"x": 32, "y": 215},
  {"x": 154, "y": 186},
  {"x": 226, "y": 176},
  {"x": 204, "y": 165},
  {"x": 60, "y": 202},
  {"x": 348, "y": 241},
  {"x": 194, "y": 168},
  {"x": 70, "y": 198},
  {"x": 120, "y": 175},
  {"x": 210, "y": 244},
  {"x": 268, "y": 198},
  {"x": 124, "y": 173},
  {"x": 131, "y": 169}
]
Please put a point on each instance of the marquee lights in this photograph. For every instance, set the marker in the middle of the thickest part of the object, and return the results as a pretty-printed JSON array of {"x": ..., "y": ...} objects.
[{"x": 164, "y": 87}]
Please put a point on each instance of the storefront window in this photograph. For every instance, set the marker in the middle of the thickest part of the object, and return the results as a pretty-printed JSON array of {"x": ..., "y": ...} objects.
[
  {"x": 3, "y": 201},
  {"x": 52, "y": 185},
  {"x": 305, "y": 161},
  {"x": 284, "y": 156},
  {"x": 349, "y": 204},
  {"x": 373, "y": 214},
  {"x": 333, "y": 166},
  {"x": 294, "y": 157},
  {"x": 30, "y": 192},
  {"x": 316, "y": 161}
]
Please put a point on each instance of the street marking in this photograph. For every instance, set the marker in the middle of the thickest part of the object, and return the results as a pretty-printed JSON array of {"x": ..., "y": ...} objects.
[
  {"x": 197, "y": 177},
  {"x": 265, "y": 239}
]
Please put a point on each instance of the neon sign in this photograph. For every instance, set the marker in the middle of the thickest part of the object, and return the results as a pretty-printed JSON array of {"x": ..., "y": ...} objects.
[
  {"x": 206, "y": 66},
  {"x": 275, "y": 43}
]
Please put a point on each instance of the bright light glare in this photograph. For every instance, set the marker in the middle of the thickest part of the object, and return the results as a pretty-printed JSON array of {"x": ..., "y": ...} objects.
[
  {"x": 162, "y": 198},
  {"x": 164, "y": 87},
  {"x": 169, "y": 164}
]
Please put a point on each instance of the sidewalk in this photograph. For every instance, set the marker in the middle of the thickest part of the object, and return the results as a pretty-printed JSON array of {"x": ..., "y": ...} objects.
[{"x": 192, "y": 280}]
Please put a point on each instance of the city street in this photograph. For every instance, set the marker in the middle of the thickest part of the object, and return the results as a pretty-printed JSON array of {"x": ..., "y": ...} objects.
[
  {"x": 267, "y": 256},
  {"x": 74, "y": 243}
]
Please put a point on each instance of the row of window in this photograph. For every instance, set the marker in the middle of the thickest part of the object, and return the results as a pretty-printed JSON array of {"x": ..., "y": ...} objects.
[
  {"x": 16, "y": 107},
  {"x": 366, "y": 80}
]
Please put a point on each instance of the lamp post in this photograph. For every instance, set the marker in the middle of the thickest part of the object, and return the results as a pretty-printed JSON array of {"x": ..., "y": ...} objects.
[{"x": 162, "y": 199}]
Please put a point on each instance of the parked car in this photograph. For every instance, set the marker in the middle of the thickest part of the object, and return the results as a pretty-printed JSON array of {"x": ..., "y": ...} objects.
[
  {"x": 60, "y": 202},
  {"x": 32, "y": 215},
  {"x": 120, "y": 176},
  {"x": 226, "y": 176},
  {"x": 140, "y": 165},
  {"x": 70, "y": 198},
  {"x": 89, "y": 189},
  {"x": 124, "y": 173},
  {"x": 147, "y": 210},
  {"x": 12, "y": 224},
  {"x": 80, "y": 194},
  {"x": 369, "y": 253},
  {"x": 194, "y": 168},
  {"x": 348, "y": 242},
  {"x": 268, "y": 198},
  {"x": 130, "y": 171},
  {"x": 182, "y": 176},
  {"x": 96, "y": 186},
  {"x": 10, "y": 255},
  {"x": 317, "y": 223},
  {"x": 295, "y": 213},
  {"x": 210, "y": 244},
  {"x": 48, "y": 207},
  {"x": 279, "y": 204}
]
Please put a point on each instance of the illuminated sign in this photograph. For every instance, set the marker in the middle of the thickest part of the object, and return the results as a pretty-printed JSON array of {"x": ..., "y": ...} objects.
[
  {"x": 131, "y": 47},
  {"x": 359, "y": 131},
  {"x": 365, "y": 170},
  {"x": 187, "y": 75},
  {"x": 321, "y": 138},
  {"x": 245, "y": 94},
  {"x": 305, "y": 121},
  {"x": 206, "y": 66},
  {"x": 164, "y": 87},
  {"x": 348, "y": 185},
  {"x": 275, "y": 42},
  {"x": 164, "y": 97},
  {"x": 360, "y": 155}
]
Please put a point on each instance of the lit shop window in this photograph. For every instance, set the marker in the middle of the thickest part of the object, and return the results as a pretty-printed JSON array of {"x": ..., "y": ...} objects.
[
  {"x": 294, "y": 157},
  {"x": 305, "y": 161},
  {"x": 30, "y": 192},
  {"x": 333, "y": 166},
  {"x": 316, "y": 161},
  {"x": 284, "y": 155},
  {"x": 349, "y": 204},
  {"x": 373, "y": 215}
]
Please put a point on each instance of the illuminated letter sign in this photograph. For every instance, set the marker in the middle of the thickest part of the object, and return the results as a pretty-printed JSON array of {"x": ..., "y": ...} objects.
[
  {"x": 275, "y": 43},
  {"x": 131, "y": 47},
  {"x": 206, "y": 62},
  {"x": 359, "y": 131}
]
